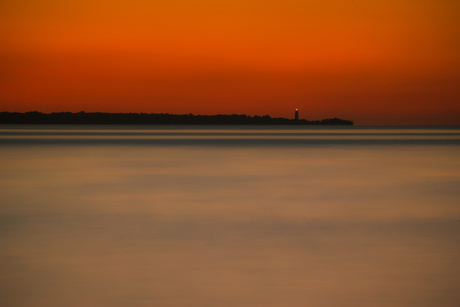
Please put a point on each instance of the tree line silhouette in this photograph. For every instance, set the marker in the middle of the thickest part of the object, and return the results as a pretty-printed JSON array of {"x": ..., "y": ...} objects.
[{"x": 99, "y": 118}]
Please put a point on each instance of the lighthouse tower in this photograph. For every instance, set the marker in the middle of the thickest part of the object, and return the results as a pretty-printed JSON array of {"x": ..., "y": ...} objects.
[{"x": 296, "y": 114}]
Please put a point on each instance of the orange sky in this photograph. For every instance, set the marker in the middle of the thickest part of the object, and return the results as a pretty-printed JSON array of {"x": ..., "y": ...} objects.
[{"x": 372, "y": 61}]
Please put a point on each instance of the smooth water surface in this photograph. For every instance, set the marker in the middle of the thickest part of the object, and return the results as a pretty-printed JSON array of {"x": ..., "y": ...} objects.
[{"x": 265, "y": 216}]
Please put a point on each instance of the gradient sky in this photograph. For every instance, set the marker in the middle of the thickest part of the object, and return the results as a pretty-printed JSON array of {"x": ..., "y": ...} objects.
[{"x": 372, "y": 61}]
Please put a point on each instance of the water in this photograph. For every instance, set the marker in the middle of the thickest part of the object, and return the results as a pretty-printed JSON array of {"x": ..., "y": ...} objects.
[{"x": 267, "y": 216}]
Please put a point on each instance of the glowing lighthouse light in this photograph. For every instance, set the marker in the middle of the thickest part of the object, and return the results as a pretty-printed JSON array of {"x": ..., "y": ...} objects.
[{"x": 296, "y": 114}]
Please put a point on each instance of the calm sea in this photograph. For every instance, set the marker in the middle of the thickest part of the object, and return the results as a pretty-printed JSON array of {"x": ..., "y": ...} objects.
[{"x": 225, "y": 216}]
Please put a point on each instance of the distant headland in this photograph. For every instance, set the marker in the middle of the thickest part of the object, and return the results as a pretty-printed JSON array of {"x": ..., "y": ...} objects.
[{"x": 99, "y": 118}]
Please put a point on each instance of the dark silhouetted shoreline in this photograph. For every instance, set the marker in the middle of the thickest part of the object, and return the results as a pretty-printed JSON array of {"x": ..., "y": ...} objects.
[{"x": 98, "y": 118}]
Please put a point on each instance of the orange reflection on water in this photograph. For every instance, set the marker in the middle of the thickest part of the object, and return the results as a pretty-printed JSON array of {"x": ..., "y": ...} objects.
[{"x": 226, "y": 226}]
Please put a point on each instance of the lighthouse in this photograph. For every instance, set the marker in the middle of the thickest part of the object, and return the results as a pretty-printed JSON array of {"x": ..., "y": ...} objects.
[{"x": 296, "y": 114}]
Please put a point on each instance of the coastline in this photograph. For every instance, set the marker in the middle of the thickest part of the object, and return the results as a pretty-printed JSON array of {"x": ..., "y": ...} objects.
[{"x": 99, "y": 118}]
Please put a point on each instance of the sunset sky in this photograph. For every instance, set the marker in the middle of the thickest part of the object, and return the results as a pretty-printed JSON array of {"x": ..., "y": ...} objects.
[{"x": 371, "y": 61}]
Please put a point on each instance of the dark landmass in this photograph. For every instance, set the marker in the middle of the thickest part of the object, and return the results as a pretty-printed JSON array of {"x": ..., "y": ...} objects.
[{"x": 98, "y": 118}]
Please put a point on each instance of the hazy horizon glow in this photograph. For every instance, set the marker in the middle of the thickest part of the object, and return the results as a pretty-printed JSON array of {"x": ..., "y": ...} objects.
[{"x": 374, "y": 62}]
